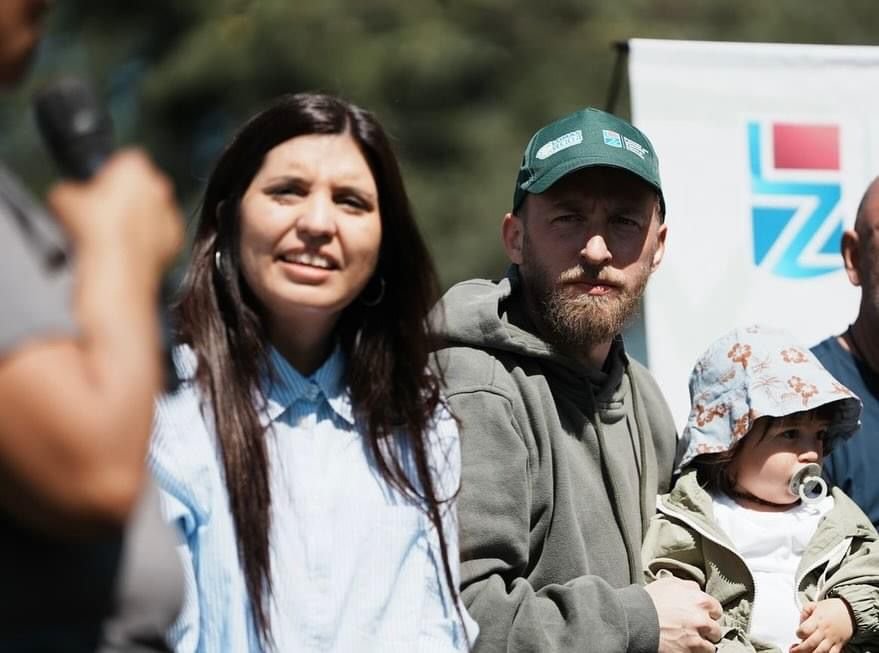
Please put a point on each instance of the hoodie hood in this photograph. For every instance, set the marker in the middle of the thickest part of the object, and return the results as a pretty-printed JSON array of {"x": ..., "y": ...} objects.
[{"x": 491, "y": 315}]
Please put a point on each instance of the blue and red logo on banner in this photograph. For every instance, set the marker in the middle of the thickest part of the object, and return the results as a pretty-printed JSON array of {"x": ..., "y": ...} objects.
[{"x": 796, "y": 187}]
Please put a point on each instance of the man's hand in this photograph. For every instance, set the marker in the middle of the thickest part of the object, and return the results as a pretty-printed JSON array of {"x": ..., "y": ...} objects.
[
  {"x": 687, "y": 616},
  {"x": 76, "y": 412},
  {"x": 825, "y": 627},
  {"x": 128, "y": 209}
]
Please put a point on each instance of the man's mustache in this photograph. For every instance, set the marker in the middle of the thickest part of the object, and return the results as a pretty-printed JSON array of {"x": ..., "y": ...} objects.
[{"x": 581, "y": 274}]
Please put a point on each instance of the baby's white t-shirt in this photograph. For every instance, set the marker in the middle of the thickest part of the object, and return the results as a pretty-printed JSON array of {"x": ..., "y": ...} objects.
[{"x": 772, "y": 545}]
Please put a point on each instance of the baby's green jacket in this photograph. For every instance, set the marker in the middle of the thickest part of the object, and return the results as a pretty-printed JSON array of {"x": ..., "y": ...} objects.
[{"x": 841, "y": 560}]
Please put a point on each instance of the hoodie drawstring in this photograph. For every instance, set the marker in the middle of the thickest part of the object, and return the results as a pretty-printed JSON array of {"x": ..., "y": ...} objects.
[{"x": 647, "y": 504}]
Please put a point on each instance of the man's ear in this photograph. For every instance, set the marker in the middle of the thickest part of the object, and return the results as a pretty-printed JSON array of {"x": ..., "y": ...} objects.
[
  {"x": 659, "y": 252},
  {"x": 851, "y": 256},
  {"x": 513, "y": 233}
]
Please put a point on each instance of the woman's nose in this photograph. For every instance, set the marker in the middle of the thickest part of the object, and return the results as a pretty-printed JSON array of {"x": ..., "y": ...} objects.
[{"x": 317, "y": 217}]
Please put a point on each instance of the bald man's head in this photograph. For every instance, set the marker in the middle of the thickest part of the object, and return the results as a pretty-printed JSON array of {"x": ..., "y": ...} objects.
[
  {"x": 860, "y": 252},
  {"x": 868, "y": 211}
]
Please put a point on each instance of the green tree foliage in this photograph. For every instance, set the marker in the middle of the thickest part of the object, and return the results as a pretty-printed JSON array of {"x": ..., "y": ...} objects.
[{"x": 460, "y": 84}]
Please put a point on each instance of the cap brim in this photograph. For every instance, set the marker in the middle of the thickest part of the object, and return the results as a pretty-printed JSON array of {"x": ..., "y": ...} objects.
[{"x": 555, "y": 173}]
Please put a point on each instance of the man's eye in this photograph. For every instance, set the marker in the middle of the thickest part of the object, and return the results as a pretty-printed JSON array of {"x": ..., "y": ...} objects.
[
  {"x": 568, "y": 218},
  {"x": 626, "y": 221},
  {"x": 789, "y": 434}
]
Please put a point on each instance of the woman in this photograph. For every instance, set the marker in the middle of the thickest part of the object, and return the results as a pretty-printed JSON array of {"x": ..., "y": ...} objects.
[{"x": 310, "y": 463}]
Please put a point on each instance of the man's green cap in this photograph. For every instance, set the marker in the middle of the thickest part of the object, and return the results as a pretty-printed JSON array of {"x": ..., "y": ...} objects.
[{"x": 588, "y": 137}]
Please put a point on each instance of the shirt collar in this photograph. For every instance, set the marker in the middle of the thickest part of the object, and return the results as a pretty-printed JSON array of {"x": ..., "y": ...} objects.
[{"x": 286, "y": 385}]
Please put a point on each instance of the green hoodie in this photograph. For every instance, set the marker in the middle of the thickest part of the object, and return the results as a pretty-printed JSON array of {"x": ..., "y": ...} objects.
[
  {"x": 561, "y": 467},
  {"x": 841, "y": 560}
]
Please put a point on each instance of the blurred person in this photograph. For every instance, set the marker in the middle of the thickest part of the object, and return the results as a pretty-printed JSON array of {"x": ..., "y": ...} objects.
[
  {"x": 86, "y": 562},
  {"x": 795, "y": 568},
  {"x": 853, "y": 358},
  {"x": 308, "y": 459},
  {"x": 565, "y": 439}
]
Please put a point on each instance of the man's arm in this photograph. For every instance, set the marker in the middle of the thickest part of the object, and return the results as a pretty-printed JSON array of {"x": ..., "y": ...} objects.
[
  {"x": 76, "y": 412},
  {"x": 584, "y": 614}
]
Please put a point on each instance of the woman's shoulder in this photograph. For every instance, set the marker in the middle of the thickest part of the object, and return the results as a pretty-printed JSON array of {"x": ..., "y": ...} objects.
[
  {"x": 179, "y": 421},
  {"x": 443, "y": 423},
  {"x": 445, "y": 449},
  {"x": 182, "y": 454},
  {"x": 442, "y": 430}
]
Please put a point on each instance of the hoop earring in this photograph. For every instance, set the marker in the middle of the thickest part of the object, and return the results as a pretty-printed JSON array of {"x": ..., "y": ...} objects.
[
  {"x": 377, "y": 300},
  {"x": 218, "y": 262}
]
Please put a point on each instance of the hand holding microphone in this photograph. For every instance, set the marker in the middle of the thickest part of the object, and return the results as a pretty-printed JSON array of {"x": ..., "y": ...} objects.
[
  {"x": 119, "y": 206},
  {"x": 127, "y": 209}
]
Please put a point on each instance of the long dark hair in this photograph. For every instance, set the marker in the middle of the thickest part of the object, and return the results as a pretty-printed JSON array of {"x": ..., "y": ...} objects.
[{"x": 386, "y": 345}]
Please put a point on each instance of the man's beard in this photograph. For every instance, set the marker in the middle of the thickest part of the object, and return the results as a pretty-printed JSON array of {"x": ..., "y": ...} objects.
[{"x": 577, "y": 322}]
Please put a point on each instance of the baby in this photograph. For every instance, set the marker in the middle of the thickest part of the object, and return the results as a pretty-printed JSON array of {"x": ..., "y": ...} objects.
[{"x": 750, "y": 519}]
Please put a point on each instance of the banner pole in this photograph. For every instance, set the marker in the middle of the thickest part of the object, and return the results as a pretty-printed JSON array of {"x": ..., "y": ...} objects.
[{"x": 616, "y": 79}]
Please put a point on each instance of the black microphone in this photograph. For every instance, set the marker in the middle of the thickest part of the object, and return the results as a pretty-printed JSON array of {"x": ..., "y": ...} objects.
[
  {"x": 76, "y": 127},
  {"x": 78, "y": 132}
]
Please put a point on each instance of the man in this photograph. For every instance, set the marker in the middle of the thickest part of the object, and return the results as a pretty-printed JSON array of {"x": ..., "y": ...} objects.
[
  {"x": 853, "y": 358},
  {"x": 565, "y": 440},
  {"x": 87, "y": 563}
]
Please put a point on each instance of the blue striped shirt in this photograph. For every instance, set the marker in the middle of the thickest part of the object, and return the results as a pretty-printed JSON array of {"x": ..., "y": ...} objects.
[{"x": 355, "y": 566}]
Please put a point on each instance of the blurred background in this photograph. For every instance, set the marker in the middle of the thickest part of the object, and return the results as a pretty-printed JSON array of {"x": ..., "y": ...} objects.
[{"x": 459, "y": 84}]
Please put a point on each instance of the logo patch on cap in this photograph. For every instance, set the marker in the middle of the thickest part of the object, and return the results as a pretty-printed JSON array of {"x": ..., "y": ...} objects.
[
  {"x": 556, "y": 145},
  {"x": 612, "y": 138},
  {"x": 635, "y": 148}
]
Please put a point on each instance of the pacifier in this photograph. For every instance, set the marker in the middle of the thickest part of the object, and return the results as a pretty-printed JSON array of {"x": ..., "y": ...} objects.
[{"x": 807, "y": 484}]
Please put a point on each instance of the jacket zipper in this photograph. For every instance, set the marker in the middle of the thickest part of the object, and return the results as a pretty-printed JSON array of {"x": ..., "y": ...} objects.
[
  {"x": 827, "y": 557},
  {"x": 709, "y": 536},
  {"x": 798, "y": 579}
]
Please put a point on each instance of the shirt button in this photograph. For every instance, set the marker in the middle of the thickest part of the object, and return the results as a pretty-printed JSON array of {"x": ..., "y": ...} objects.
[{"x": 312, "y": 391}]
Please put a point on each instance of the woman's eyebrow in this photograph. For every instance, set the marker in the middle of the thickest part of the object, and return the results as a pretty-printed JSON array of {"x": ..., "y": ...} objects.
[{"x": 284, "y": 179}]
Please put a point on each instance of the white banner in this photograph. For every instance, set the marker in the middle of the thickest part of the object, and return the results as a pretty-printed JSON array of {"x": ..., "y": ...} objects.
[{"x": 764, "y": 152}]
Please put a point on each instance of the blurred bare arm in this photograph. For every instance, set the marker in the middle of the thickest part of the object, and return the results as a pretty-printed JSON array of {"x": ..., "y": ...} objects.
[{"x": 75, "y": 413}]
